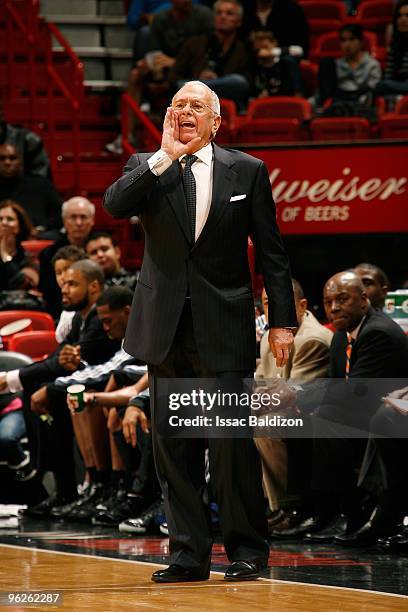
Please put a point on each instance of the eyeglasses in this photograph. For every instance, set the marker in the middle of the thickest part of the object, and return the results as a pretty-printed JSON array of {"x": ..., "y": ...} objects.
[{"x": 195, "y": 105}]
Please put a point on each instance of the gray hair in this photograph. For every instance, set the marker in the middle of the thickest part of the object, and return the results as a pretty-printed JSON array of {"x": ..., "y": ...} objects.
[
  {"x": 77, "y": 200},
  {"x": 90, "y": 270},
  {"x": 215, "y": 101},
  {"x": 240, "y": 8}
]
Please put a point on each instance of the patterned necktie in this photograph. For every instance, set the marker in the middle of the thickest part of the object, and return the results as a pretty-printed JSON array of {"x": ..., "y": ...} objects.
[
  {"x": 349, "y": 349},
  {"x": 189, "y": 185}
]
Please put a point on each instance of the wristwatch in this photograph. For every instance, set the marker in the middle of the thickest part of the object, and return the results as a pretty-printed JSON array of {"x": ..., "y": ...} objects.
[{"x": 7, "y": 258}]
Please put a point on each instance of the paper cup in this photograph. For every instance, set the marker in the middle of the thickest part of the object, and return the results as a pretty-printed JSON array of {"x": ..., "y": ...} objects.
[{"x": 76, "y": 393}]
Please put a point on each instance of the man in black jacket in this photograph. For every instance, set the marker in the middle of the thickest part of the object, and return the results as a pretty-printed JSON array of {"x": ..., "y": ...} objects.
[
  {"x": 366, "y": 347},
  {"x": 193, "y": 317},
  {"x": 87, "y": 342},
  {"x": 36, "y": 194}
]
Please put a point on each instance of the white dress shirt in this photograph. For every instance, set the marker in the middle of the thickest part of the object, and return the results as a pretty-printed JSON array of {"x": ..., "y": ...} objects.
[{"x": 203, "y": 173}]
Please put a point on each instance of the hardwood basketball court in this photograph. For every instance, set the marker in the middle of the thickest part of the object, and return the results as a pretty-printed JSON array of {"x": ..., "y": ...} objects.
[{"x": 102, "y": 570}]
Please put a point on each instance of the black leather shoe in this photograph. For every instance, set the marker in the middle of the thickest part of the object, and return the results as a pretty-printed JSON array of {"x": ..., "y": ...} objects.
[
  {"x": 309, "y": 523},
  {"x": 276, "y": 517},
  {"x": 396, "y": 542},
  {"x": 66, "y": 511},
  {"x": 336, "y": 527},
  {"x": 399, "y": 546},
  {"x": 242, "y": 570},
  {"x": 380, "y": 524},
  {"x": 366, "y": 535},
  {"x": 177, "y": 573},
  {"x": 44, "y": 508}
]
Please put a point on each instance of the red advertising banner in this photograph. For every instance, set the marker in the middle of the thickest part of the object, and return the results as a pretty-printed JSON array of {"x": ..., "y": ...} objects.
[{"x": 339, "y": 189}]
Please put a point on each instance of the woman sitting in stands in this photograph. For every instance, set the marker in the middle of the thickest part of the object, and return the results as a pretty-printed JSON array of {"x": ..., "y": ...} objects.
[
  {"x": 17, "y": 271},
  {"x": 395, "y": 79}
]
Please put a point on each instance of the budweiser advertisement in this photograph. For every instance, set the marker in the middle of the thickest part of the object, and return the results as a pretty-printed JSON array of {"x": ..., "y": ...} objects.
[{"x": 341, "y": 189}]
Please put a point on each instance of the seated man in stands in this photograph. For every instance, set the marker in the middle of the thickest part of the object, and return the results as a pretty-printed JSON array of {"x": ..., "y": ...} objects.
[
  {"x": 288, "y": 489},
  {"x": 140, "y": 15},
  {"x": 375, "y": 282},
  {"x": 351, "y": 78},
  {"x": 103, "y": 250},
  {"x": 168, "y": 32},
  {"x": 35, "y": 194},
  {"x": 276, "y": 73},
  {"x": 78, "y": 217},
  {"x": 30, "y": 145},
  {"x": 219, "y": 59},
  {"x": 87, "y": 342}
]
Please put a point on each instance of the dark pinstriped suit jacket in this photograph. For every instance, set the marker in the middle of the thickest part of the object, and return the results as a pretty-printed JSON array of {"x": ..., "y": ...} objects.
[{"x": 214, "y": 269}]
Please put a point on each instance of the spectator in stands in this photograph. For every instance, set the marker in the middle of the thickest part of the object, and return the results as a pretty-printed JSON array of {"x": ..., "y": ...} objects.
[
  {"x": 103, "y": 249},
  {"x": 168, "y": 32},
  {"x": 350, "y": 79},
  {"x": 140, "y": 15},
  {"x": 284, "y": 18},
  {"x": 36, "y": 194},
  {"x": 16, "y": 269},
  {"x": 78, "y": 217},
  {"x": 376, "y": 283},
  {"x": 395, "y": 79},
  {"x": 88, "y": 343},
  {"x": 218, "y": 59},
  {"x": 366, "y": 345},
  {"x": 30, "y": 146},
  {"x": 275, "y": 73},
  {"x": 62, "y": 260},
  {"x": 286, "y": 464}
]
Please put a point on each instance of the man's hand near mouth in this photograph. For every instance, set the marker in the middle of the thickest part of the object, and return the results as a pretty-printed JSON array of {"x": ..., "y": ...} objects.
[{"x": 171, "y": 142}]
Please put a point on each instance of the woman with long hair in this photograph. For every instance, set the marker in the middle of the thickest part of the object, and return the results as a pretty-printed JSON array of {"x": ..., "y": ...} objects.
[
  {"x": 16, "y": 269},
  {"x": 395, "y": 79}
]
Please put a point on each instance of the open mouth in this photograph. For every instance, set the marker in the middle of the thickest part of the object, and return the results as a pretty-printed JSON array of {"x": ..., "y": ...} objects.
[{"x": 189, "y": 125}]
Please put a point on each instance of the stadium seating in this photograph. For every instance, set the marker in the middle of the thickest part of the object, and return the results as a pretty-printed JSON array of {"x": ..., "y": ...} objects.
[
  {"x": 35, "y": 344},
  {"x": 340, "y": 128}
]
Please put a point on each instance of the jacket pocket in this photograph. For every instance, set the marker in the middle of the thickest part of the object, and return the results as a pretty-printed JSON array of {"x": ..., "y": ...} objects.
[{"x": 235, "y": 294}]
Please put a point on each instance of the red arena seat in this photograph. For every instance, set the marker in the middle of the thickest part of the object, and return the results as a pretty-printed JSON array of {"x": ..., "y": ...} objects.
[
  {"x": 287, "y": 107},
  {"x": 393, "y": 126},
  {"x": 401, "y": 107},
  {"x": 39, "y": 320},
  {"x": 340, "y": 128},
  {"x": 35, "y": 344}
]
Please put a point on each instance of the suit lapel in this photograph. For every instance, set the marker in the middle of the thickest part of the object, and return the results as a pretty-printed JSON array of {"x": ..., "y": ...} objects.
[
  {"x": 173, "y": 188},
  {"x": 223, "y": 185}
]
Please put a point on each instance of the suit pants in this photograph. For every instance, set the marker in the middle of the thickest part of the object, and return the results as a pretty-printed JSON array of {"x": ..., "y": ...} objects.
[{"x": 235, "y": 473}]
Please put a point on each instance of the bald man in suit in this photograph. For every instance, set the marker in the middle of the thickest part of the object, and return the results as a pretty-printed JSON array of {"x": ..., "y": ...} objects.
[{"x": 193, "y": 317}]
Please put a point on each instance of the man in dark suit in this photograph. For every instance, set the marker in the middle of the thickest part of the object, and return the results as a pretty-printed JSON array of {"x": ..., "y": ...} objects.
[
  {"x": 193, "y": 316},
  {"x": 368, "y": 349}
]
